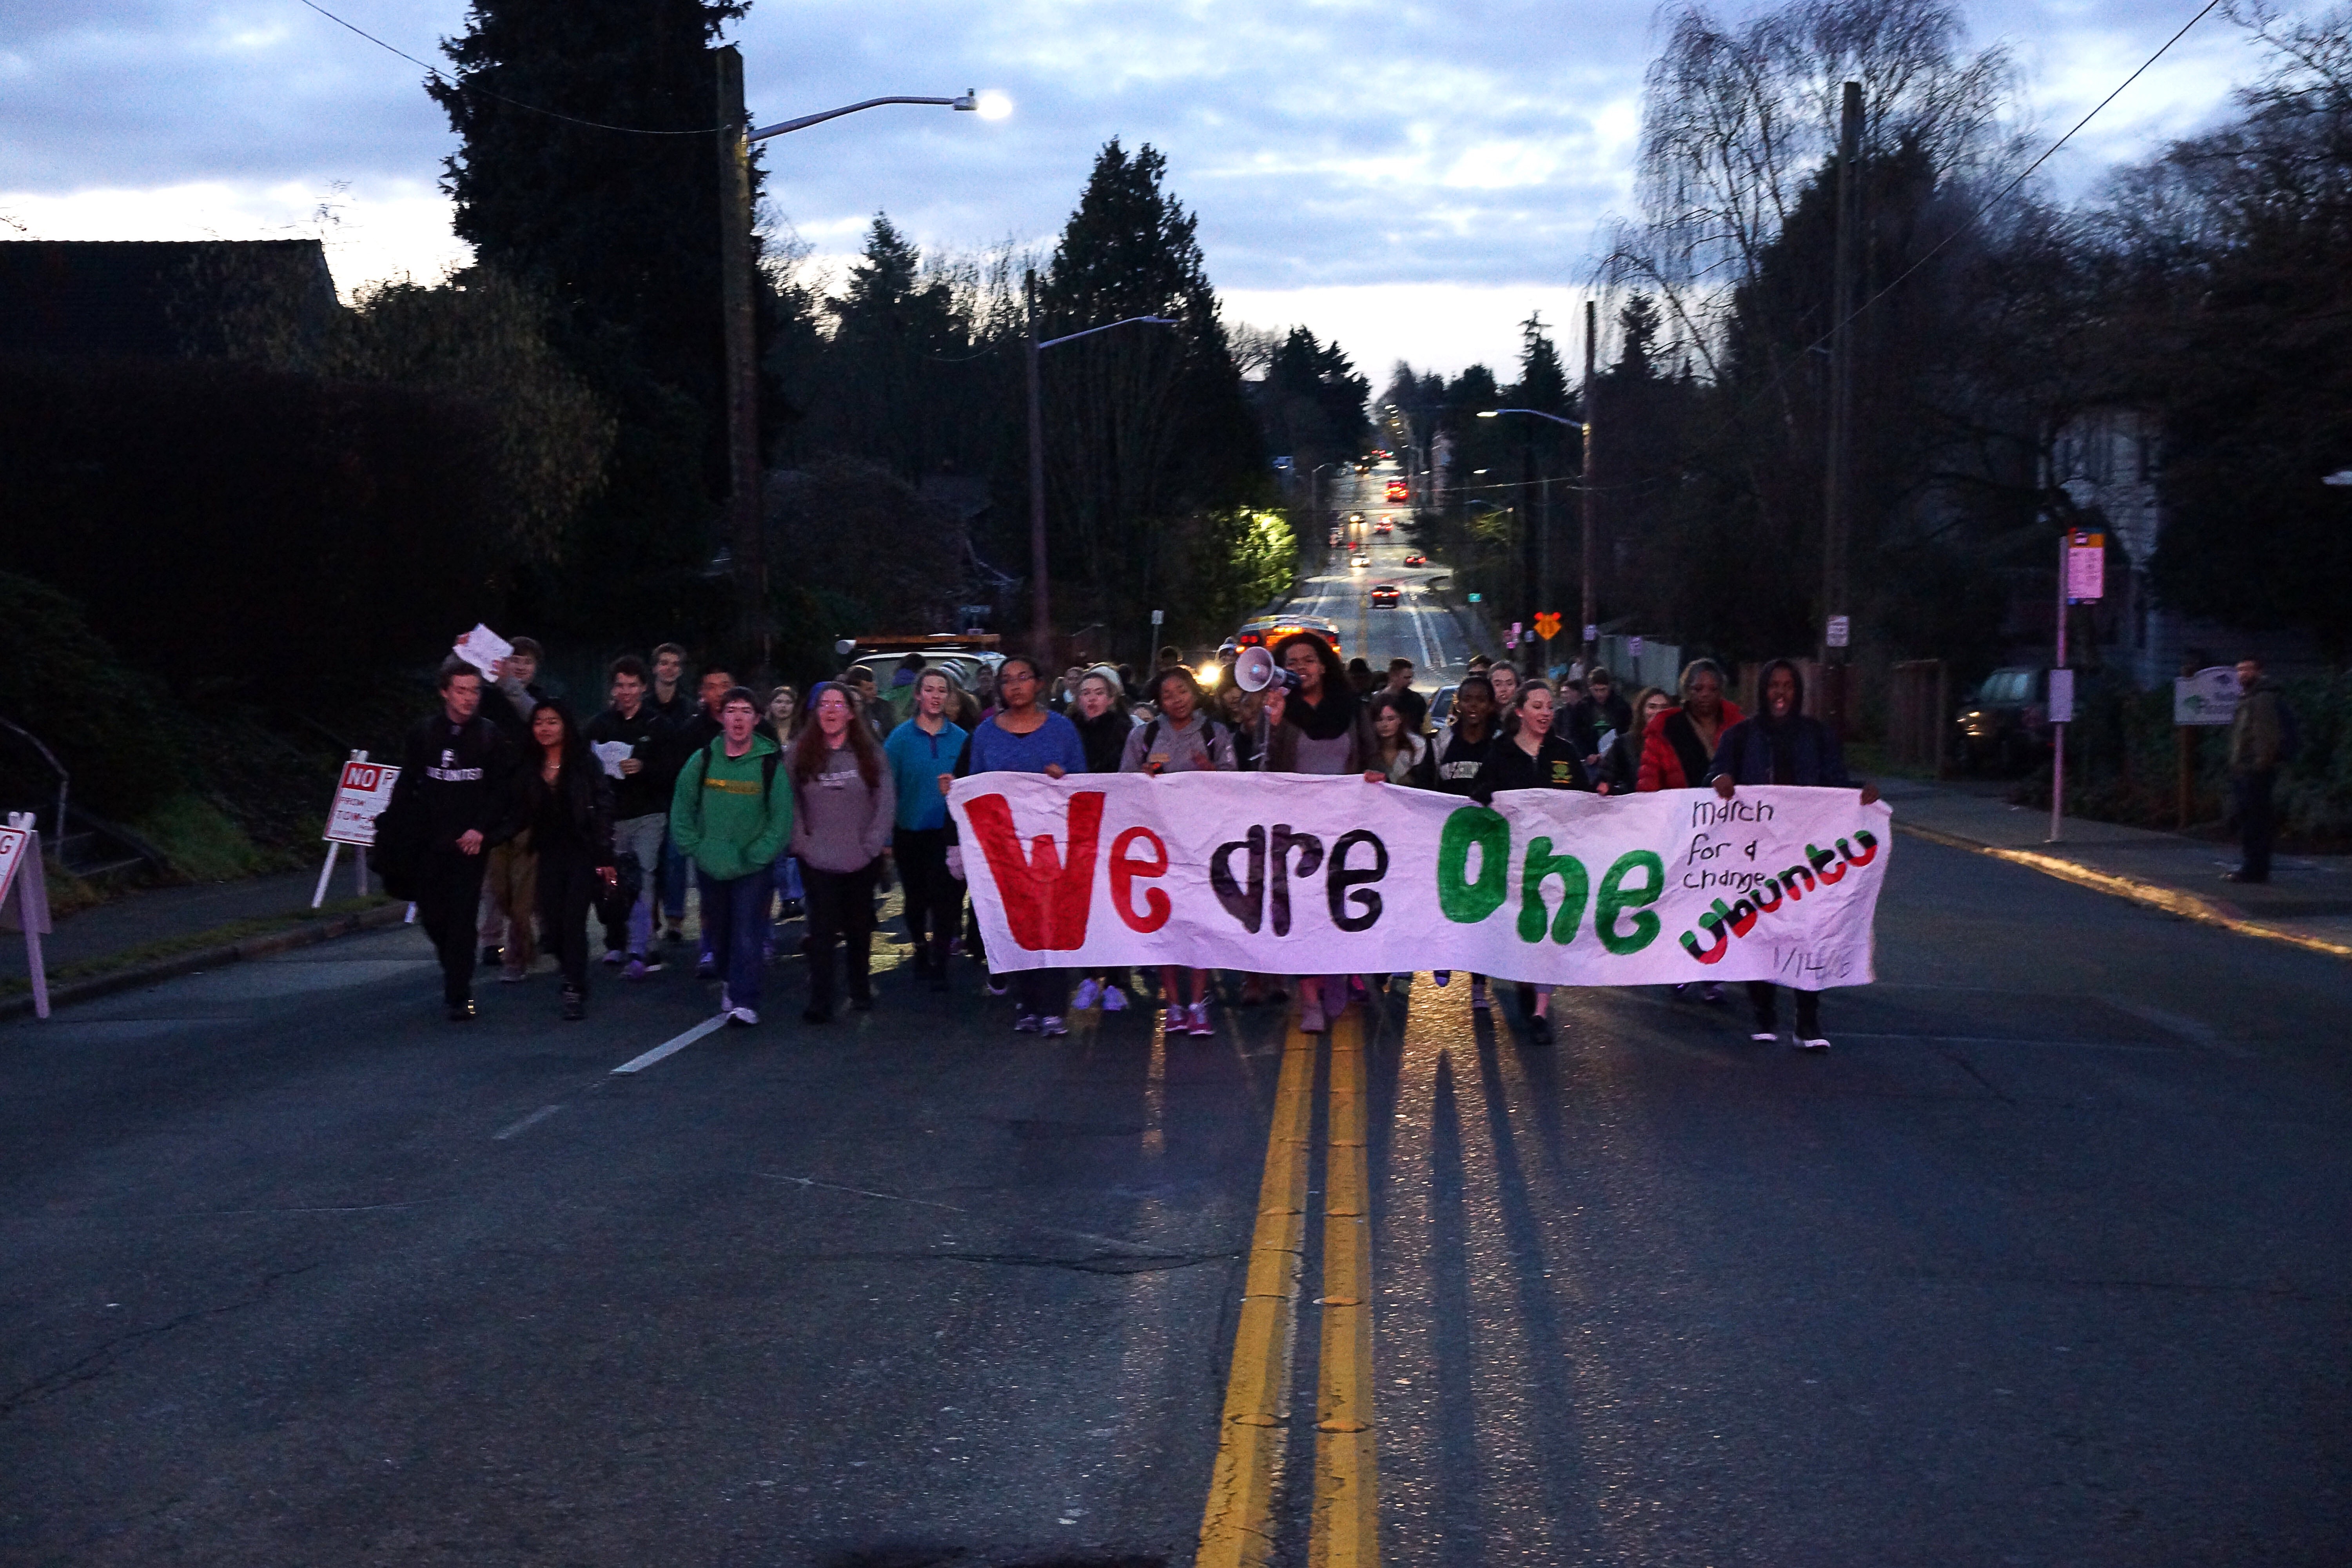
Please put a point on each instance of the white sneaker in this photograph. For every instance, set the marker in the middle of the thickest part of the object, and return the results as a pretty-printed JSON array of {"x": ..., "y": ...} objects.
[
  {"x": 725, "y": 1006},
  {"x": 1197, "y": 1022},
  {"x": 1311, "y": 1018},
  {"x": 1089, "y": 993},
  {"x": 741, "y": 1016},
  {"x": 1051, "y": 1025},
  {"x": 1024, "y": 1023},
  {"x": 1177, "y": 1021},
  {"x": 1114, "y": 1000},
  {"x": 1764, "y": 1036},
  {"x": 1815, "y": 1043}
]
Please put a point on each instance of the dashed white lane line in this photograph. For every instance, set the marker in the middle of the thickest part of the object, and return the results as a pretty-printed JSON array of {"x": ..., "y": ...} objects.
[
  {"x": 671, "y": 1047},
  {"x": 533, "y": 1120}
]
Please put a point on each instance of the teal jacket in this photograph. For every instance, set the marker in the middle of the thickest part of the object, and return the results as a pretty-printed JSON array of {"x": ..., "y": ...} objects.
[
  {"x": 731, "y": 816},
  {"x": 917, "y": 761}
]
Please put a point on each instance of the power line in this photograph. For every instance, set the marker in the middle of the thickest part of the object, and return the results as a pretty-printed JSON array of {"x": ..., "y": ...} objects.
[{"x": 463, "y": 85}]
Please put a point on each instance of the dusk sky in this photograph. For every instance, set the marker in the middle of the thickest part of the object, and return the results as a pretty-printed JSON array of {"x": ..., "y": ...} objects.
[{"x": 1411, "y": 178}]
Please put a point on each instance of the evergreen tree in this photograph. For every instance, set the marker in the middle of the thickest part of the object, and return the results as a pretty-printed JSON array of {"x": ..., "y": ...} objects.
[{"x": 1543, "y": 382}]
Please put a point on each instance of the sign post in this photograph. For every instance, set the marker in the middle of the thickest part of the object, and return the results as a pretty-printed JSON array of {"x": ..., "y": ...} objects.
[
  {"x": 25, "y": 898},
  {"x": 360, "y": 795},
  {"x": 2081, "y": 579}
]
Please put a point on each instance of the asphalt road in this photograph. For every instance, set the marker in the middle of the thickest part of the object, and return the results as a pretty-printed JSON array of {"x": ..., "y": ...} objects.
[
  {"x": 2046, "y": 1262},
  {"x": 1417, "y": 628}
]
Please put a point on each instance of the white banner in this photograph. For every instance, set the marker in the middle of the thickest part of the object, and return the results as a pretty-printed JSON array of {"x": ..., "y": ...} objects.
[{"x": 1287, "y": 874}]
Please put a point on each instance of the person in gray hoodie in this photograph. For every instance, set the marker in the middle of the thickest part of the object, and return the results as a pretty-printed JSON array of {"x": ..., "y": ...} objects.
[{"x": 843, "y": 806}]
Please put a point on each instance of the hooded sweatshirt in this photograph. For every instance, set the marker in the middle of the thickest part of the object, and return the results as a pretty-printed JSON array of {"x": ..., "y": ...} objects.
[
  {"x": 730, "y": 816},
  {"x": 1797, "y": 749}
]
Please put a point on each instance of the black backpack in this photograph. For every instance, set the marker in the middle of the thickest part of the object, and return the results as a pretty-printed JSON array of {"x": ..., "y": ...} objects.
[{"x": 769, "y": 763}]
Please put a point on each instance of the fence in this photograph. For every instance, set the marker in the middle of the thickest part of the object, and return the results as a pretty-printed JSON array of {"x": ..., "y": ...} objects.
[{"x": 1918, "y": 714}]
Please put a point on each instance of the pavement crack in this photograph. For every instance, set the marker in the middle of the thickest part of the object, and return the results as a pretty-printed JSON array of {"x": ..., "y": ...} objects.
[
  {"x": 1969, "y": 1067},
  {"x": 98, "y": 1361}
]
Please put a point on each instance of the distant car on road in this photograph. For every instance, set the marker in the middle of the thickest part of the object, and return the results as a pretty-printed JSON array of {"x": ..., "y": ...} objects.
[
  {"x": 1384, "y": 596},
  {"x": 1416, "y": 559},
  {"x": 1360, "y": 560},
  {"x": 1398, "y": 490},
  {"x": 1384, "y": 526}
]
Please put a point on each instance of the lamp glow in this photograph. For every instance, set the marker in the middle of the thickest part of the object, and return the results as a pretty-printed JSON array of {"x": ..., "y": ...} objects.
[{"x": 995, "y": 106}]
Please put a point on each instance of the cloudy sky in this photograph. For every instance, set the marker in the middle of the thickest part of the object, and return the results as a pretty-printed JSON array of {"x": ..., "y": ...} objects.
[{"x": 1411, "y": 176}]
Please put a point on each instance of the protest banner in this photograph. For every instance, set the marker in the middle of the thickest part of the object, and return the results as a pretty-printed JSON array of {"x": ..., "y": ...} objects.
[{"x": 1287, "y": 874}]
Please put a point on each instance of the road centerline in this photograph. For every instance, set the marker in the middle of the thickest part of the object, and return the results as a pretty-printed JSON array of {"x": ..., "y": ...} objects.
[{"x": 670, "y": 1047}]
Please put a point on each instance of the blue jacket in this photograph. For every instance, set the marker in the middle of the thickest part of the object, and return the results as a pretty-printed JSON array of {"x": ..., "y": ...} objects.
[
  {"x": 917, "y": 761},
  {"x": 1811, "y": 754}
]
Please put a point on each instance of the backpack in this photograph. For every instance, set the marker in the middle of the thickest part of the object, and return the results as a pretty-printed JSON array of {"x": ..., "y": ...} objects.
[
  {"x": 2290, "y": 738},
  {"x": 1211, "y": 730},
  {"x": 769, "y": 763}
]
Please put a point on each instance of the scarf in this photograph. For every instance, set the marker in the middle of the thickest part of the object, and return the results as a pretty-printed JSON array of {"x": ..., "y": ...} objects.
[{"x": 1325, "y": 720}]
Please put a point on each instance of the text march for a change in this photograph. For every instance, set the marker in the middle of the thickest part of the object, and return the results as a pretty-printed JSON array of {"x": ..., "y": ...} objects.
[{"x": 1297, "y": 875}]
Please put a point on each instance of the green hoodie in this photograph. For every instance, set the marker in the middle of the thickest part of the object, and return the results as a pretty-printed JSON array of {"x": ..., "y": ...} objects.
[{"x": 718, "y": 817}]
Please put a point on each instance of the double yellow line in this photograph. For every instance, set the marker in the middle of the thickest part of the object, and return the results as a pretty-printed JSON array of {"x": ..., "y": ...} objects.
[{"x": 1237, "y": 1526}]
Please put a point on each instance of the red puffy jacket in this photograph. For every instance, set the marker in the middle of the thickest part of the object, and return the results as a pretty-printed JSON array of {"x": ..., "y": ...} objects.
[{"x": 1662, "y": 760}]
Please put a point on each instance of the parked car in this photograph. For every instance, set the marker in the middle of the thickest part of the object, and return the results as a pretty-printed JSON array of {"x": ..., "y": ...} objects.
[{"x": 2006, "y": 724}]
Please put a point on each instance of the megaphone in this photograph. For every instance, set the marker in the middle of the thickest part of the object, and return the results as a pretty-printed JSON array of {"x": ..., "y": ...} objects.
[{"x": 1254, "y": 669}]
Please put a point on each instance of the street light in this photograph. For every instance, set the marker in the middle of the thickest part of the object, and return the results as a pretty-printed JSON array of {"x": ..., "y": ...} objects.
[
  {"x": 1585, "y": 597},
  {"x": 1041, "y": 620},
  {"x": 744, "y": 528}
]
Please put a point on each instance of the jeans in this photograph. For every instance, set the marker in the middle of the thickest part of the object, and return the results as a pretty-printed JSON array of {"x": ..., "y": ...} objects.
[
  {"x": 448, "y": 889},
  {"x": 673, "y": 881},
  {"x": 734, "y": 929},
  {"x": 2257, "y": 822},
  {"x": 1763, "y": 996},
  {"x": 509, "y": 897},
  {"x": 840, "y": 908},
  {"x": 788, "y": 886},
  {"x": 641, "y": 836},
  {"x": 934, "y": 900}
]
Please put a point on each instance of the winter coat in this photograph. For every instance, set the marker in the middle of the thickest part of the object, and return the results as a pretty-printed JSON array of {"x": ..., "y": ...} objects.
[{"x": 1672, "y": 755}]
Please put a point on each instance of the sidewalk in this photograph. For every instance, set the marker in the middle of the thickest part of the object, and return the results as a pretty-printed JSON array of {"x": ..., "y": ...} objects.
[
  {"x": 156, "y": 932},
  {"x": 2308, "y": 901}
]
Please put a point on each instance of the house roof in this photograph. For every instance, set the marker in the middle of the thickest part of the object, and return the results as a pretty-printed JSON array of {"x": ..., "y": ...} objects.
[{"x": 162, "y": 298}]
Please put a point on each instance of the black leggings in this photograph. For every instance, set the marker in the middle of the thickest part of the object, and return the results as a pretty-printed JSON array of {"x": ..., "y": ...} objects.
[
  {"x": 567, "y": 886},
  {"x": 1761, "y": 997},
  {"x": 934, "y": 900},
  {"x": 840, "y": 909}
]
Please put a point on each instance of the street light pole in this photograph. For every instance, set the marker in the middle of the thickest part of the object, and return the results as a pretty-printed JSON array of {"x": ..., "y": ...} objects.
[
  {"x": 1585, "y": 620},
  {"x": 747, "y": 536},
  {"x": 1528, "y": 551},
  {"x": 1041, "y": 619}
]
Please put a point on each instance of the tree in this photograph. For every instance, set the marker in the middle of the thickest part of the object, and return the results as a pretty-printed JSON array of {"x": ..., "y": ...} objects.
[
  {"x": 1145, "y": 425},
  {"x": 1311, "y": 401}
]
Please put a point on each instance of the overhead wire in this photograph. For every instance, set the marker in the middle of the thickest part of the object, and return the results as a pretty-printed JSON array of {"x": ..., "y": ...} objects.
[{"x": 461, "y": 84}]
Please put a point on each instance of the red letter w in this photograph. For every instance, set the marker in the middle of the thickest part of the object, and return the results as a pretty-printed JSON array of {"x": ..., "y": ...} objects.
[{"x": 1046, "y": 902}]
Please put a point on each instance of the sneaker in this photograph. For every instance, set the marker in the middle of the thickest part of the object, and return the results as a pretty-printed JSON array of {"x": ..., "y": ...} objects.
[
  {"x": 636, "y": 971},
  {"x": 575, "y": 1005},
  {"x": 997, "y": 986},
  {"x": 725, "y": 1005},
  {"x": 1763, "y": 1036},
  {"x": 706, "y": 968},
  {"x": 1479, "y": 1000},
  {"x": 613, "y": 955},
  {"x": 462, "y": 1011},
  {"x": 1311, "y": 1018},
  {"x": 1051, "y": 1025},
  {"x": 1177, "y": 1021},
  {"x": 790, "y": 910},
  {"x": 1711, "y": 992},
  {"x": 1815, "y": 1044},
  {"x": 741, "y": 1016},
  {"x": 653, "y": 962},
  {"x": 1114, "y": 999},
  {"x": 1197, "y": 1018},
  {"x": 955, "y": 945},
  {"x": 1089, "y": 993},
  {"x": 1024, "y": 1023},
  {"x": 493, "y": 955},
  {"x": 1442, "y": 976},
  {"x": 1539, "y": 1030}
]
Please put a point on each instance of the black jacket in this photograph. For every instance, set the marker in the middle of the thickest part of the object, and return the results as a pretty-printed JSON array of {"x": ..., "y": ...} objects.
[
  {"x": 1459, "y": 760},
  {"x": 1589, "y": 720},
  {"x": 1105, "y": 739},
  {"x": 644, "y": 792},
  {"x": 459, "y": 779},
  {"x": 581, "y": 800},
  {"x": 1556, "y": 765}
]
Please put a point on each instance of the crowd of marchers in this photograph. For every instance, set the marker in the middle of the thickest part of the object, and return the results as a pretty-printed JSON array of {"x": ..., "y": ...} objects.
[{"x": 514, "y": 826}]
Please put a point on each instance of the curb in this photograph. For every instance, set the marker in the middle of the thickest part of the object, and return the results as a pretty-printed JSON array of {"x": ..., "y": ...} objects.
[
  {"x": 2153, "y": 895},
  {"x": 132, "y": 979}
]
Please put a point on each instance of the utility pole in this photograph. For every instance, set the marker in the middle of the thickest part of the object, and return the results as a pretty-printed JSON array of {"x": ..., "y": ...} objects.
[
  {"x": 1041, "y": 619},
  {"x": 746, "y": 531},
  {"x": 1837, "y": 520},
  {"x": 1585, "y": 611},
  {"x": 1530, "y": 552}
]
